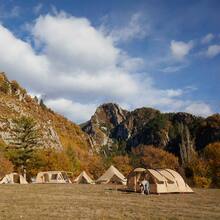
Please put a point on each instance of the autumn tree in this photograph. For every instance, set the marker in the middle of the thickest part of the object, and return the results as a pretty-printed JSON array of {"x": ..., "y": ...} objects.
[
  {"x": 48, "y": 159},
  {"x": 123, "y": 163},
  {"x": 6, "y": 166},
  {"x": 152, "y": 157},
  {"x": 95, "y": 166},
  {"x": 212, "y": 156}
]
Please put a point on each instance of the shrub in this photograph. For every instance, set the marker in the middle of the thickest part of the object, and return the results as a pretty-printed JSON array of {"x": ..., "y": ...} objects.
[
  {"x": 202, "y": 182},
  {"x": 6, "y": 166},
  {"x": 122, "y": 163},
  {"x": 212, "y": 156},
  {"x": 152, "y": 157}
]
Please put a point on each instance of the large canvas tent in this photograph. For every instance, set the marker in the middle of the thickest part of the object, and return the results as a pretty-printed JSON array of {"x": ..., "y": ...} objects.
[
  {"x": 83, "y": 178},
  {"x": 52, "y": 177},
  {"x": 112, "y": 175},
  {"x": 161, "y": 181},
  {"x": 13, "y": 178}
]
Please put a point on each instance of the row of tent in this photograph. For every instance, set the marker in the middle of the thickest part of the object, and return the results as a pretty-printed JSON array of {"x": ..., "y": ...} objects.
[
  {"x": 112, "y": 175},
  {"x": 161, "y": 180}
]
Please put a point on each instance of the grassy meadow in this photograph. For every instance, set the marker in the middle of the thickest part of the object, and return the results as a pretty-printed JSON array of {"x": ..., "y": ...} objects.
[{"x": 103, "y": 202}]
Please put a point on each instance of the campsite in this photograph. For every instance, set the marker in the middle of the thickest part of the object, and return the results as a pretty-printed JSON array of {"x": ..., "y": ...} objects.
[
  {"x": 83, "y": 201},
  {"x": 110, "y": 109},
  {"x": 54, "y": 196}
]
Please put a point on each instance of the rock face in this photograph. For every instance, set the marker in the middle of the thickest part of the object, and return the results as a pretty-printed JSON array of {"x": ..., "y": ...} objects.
[
  {"x": 57, "y": 131},
  {"x": 111, "y": 124},
  {"x": 105, "y": 119}
]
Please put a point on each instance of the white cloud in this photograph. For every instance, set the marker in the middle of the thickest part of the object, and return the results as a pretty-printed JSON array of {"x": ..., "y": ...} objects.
[
  {"x": 137, "y": 28},
  {"x": 12, "y": 13},
  {"x": 213, "y": 51},
  {"x": 38, "y": 8},
  {"x": 73, "y": 110},
  {"x": 180, "y": 49},
  {"x": 173, "y": 69},
  {"x": 79, "y": 67},
  {"x": 199, "y": 108},
  {"x": 208, "y": 38}
]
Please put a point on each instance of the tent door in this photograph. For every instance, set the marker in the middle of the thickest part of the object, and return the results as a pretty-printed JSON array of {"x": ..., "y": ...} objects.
[
  {"x": 46, "y": 178},
  {"x": 16, "y": 178}
]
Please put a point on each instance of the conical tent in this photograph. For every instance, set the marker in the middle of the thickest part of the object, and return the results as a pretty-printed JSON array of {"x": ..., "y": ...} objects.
[
  {"x": 112, "y": 175},
  {"x": 83, "y": 178},
  {"x": 13, "y": 178}
]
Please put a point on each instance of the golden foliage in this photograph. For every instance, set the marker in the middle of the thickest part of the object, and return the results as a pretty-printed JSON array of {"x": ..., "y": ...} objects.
[
  {"x": 122, "y": 163},
  {"x": 6, "y": 166},
  {"x": 152, "y": 157}
]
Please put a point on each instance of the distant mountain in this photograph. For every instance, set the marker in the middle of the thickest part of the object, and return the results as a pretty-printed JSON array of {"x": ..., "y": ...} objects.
[
  {"x": 113, "y": 125},
  {"x": 57, "y": 131}
]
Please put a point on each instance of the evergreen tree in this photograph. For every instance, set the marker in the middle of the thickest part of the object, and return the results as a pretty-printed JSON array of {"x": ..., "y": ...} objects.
[{"x": 25, "y": 138}]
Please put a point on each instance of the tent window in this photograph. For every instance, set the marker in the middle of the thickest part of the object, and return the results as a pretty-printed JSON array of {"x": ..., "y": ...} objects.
[
  {"x": 65, "y": 177},
  {"x": 54, "y": 177}
]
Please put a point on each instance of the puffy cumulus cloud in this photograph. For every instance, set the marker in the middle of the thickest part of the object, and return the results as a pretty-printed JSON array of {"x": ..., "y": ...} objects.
[
  {"x": 20, "y": 60},
  {"x": 73, "y": 110},
  {"x": 213, "y": 51},
  {"x": 180, "y": 49},
  {"x": 78, "y": 67},
  {"x": 208, "y": 38},
  {"x": 73, "y": 44},
  {"x": 199, "y": 108}
]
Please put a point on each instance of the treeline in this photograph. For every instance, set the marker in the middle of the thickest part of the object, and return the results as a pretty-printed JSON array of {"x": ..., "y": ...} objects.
[{"x": 25, "y": 154}]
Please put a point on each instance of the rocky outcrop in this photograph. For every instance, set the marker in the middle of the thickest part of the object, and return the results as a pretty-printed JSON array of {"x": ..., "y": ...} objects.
[
  {"x": 112, "y": 125},
  {"x": 57, "y": 132},
  {"x": 105, "y": 119}
]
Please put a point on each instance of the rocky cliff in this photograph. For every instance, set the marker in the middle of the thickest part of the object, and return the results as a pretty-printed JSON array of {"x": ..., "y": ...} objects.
[
  {"x": 57, "y": 131},
  {"x": 111, "y": 124}
]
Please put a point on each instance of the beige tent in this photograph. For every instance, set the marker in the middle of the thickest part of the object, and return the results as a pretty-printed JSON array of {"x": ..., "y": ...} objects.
[
  {"x": 161, "y": 181},
  {"x": 13, "y": 178},
  {"x": 52, "y": 177},
  {"x": 112, "y": 175},
  {"x": 83, "y": 178}
]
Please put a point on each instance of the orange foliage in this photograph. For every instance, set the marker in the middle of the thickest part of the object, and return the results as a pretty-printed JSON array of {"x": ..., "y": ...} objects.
[
  {"x": 95, "y": 166},
  {"x": 152, "y": 157},
  {"x": 6, "y": 166},
  {"x": 122, "y": 163}
]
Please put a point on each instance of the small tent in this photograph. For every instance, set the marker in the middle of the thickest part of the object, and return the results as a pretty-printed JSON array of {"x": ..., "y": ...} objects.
[
  {"x": 13, "y": 178},
  {"x": 112, "y": 175},
  {"x": 52, "y": 177},
  {"x": 161, "y": 181},
  {"x": 83, "y": 178}
]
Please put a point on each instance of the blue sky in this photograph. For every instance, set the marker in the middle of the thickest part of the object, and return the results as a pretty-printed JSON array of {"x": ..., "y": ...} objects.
[{"x": 80, "y": 54}]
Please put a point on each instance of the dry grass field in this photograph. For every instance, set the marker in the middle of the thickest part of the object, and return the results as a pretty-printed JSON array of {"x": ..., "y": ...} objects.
[{"x": 103, "y": 202}]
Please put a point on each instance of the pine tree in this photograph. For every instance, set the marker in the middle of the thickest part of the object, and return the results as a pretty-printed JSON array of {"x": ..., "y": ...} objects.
[{"x": 24, "y": 139}]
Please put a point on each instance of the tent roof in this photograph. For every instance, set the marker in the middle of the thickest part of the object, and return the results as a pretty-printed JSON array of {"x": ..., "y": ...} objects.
[
  {"x": 112, "y": 171},
  {"x": 157, "y": 175},
  {"x": 84, "y": 175},
  {"x": 167, "y": 175},
  {"x": 139, "y": 169}
]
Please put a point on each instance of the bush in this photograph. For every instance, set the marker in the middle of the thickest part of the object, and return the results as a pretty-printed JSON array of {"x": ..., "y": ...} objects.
[
  {"x": 152, "y": 157},
  {"x": 122, "y": 163},
  {"x": 212, "y": 156},
  {"x": 202, "y": 182},
  {"x": 6, "y": 166}
]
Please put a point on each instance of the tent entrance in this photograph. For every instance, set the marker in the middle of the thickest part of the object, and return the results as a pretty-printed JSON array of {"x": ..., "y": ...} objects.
[
  {"x": 46, "y": 178},
  {"x": 16, "y": 178}
]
